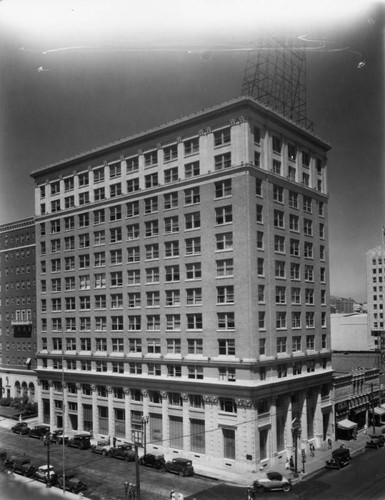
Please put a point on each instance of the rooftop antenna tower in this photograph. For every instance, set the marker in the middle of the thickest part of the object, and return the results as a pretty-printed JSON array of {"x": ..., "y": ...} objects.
[{"x": 275, "y": 75}]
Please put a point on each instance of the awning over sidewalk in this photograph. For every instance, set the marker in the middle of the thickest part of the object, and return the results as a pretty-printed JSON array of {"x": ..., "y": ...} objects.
[
  {"x": 379, "y": 411},
  {"x": 346, "y": 424}
]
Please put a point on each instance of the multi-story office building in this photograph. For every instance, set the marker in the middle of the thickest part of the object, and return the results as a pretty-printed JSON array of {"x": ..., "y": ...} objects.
[
  {"x": 375, "y": 265},
  {"x": 183, "y": 286},
  {"x": 18, "y": 309}
]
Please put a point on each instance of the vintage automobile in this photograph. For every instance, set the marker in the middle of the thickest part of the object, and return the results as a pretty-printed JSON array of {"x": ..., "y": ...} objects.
[
  {"x": 123, "y": 451},
  {"x": 375, "y": 441},
  {"x": 340, "y": 458},
  {"x": 72, "y": 484},
  {"x": 154, "y": 461},
  {"x": 43, "y": 472},
  {"x": 102, "y": 447},
  {"x": 274, "y": 481},
  {"x": 39, "y": 431},
  {"x": 23, "y": 467},
  {"x": 12, "y": 457},
  {"x": 81, "y": 441},
  {"x": 20, "y": 428},
  {"x": 180, "y": 466}
]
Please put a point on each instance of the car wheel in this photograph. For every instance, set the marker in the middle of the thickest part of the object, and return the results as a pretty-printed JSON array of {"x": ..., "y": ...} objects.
[
  {"x": 286, "y": 488},
  {"x": 260, "y": 489}
]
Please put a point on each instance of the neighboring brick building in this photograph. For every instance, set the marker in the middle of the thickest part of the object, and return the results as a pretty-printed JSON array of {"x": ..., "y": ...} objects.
[
  {"x": 375, "y": 264},
  {"x": 18, "y": 308},
  {"x": 183, "y": 280}
]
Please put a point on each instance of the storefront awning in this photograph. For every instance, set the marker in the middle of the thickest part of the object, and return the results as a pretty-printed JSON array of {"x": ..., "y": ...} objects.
[
  {"x": 379, "y": 411},
  {"x": 346, "y": 424}
]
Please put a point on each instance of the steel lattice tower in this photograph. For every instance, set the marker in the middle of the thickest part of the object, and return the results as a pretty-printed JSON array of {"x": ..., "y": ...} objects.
[{"x": 275, "y": 75}]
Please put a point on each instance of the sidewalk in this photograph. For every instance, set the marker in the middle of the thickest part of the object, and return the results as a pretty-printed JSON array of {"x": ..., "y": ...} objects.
[{"x": 312, "y": 464}]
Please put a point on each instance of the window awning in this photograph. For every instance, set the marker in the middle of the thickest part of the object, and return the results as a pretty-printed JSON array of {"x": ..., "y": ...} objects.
[
  {"x": 346, "y": 424},
  {"x": 379, "y": 411}
]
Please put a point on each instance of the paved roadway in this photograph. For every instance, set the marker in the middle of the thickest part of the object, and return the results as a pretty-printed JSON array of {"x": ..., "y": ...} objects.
[{"x": 362, "y": 479}]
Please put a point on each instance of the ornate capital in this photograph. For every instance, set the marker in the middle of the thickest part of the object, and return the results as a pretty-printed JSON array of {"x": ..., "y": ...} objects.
[
  {"x": 163, "y": 394},
  {"x": 210, "y": 400},
  {"x": 109, "y": 389},
  {"x": 50, "y": 383},
  {"x": 145, "y": 393},
  {"x": 93, "y": 387},
  {"x": 140, "y": 151},
  {"x": 78, "y": 386},
  {"x": 126, "y": 391},
  {"x": 184, "y": 396},
  {"x": 64, "y": 385},
  {"x": 244, "y": 403},
  {"x": 179, "y": 139}
]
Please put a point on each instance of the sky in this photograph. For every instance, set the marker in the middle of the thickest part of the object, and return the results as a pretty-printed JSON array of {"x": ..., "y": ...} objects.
[{"x": 76, "y": 75}]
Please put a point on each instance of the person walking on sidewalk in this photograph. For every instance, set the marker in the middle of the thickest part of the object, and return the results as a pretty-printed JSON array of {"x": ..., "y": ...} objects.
[{"x": 312, "y": 449}]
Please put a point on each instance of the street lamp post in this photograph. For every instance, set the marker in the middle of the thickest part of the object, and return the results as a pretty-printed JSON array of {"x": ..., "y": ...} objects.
[
  {"x": 145, "y": 420},
  {"x": 296, "y": 433}
]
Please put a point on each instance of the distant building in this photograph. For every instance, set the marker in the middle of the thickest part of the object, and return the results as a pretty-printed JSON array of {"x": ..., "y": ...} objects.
[
  {"x": 339, "y": 305},
  {"x": 18, "y": 309},
  {"x": 349, "y": 332},
  {"x": 375, "y": 261}
]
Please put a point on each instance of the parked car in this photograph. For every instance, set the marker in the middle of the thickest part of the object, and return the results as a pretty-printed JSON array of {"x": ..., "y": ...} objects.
[
  {"x": 81, "y": 441},
  {"x": 180, "y": 466},
  {"x": 56, "y": 435},
  {"x": 39, "y": 431},
  {"x": 123, "y": 451},
  {"x": 375, "y": 441},
  {"x": 3, "y": 454},
  {"x": 43, "y": 472},
  {"x": 274, "y": 481},
  {"x": 23, "y": 467},
  {"x": 155, "y": 461},
  {"x": 340, "y": 458},
  {"x": 102, "y": 447},
  {"x": 72, "y": 484},
  {"x": 20, "y": 428},
  {"x": 10, "y": 459}
]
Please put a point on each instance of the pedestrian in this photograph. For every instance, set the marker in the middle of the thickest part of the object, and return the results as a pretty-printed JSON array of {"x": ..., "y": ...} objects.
[
  {"x": 172, "y": 495},
  {"x": 126, "y": 485},
  {"x": 329, "y": 443},
  {"x": 312, "y": 448},
  {"x": 365, "y": 429},
  {"x": 114, "y": 442},
  {"x": 291, "y": 463},
  {"x": 287, "y": 465}
]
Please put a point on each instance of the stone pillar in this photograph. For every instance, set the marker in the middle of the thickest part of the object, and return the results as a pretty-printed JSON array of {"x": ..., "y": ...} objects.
[
  {"x": 127, "y": 409},
  {"x": 165, "y": 422},
  {"x": 80, "y": 407},
  {"x": 52, "y": 415},
  {"x": 245, "y": 432},
  {"x": 273, "y": 429},
  {"x": 111, "y": 413},
  {"x": 66, "y": 421},
  {"x": 95, "y": 414},
  {"x": 213, "y": 440},
  {"x": 318, "y": 419},
  {"x": 186, "y": 424}
]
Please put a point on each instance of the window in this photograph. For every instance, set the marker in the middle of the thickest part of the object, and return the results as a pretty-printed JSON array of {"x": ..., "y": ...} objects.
[
  {"x": 98, "y": 174},
  {"x": 280, "y": 269},
  {"x": 100, "y": 280},
  {"x": 281, "y": 344},
  {"x": 195, "y": 346},
  {"x": 135, "y": 345},
  {"x": 227, "y": 374},
  {"x": 100, "y": 259},
  {"x": 225, "y": 294},
  {"x": 153, "y": 322},
  {"x": 276, "y": 144},
  {"x": 69, "y": 202},
  {"x": 228, "y": 406},
  {"x": 291, "y": 152},
  {"x": 115, "y": 213},
  {"x": 193, "y": 220},
  {"x": 152, "y": 251},
  {"x": 259, "y": 217},
  {"x": 279, "y": 221},
  {"x": 151, "y": 205},
  {"x": 84, "y": 198},
  {"x": 195, "y": 372},
  {"x": 194, "y": 321},
  {"x": 85, "y": 302},
  {"x": 261, "y": 294},
  {"x": 294, "y": 223},
  {"x": 132, "y": 232},
  {"x": 85, "y": 324},
  {"x": 308, "y": 250},
  {"x": 309, "y": 273},
  {"x": 321, "y": 209},
  {"x": 70, "y": 303},
  {"x": 84, "y": 240},
  {"x": 224, "y": 215},
  {"x": 116, "y": 278},
  {"x": 310, "y": 319},
  {"x": 193, "y": 246},
  {"x": 307, "y": 204},
  {"x": 323, "y": 275},
  {"x": 324, "y": 341},
  {"x": 99, "y": 194},
  {"x": 172, "y": 298},
  {"x": 191, "y": 196},
  {"x": 83, "y": 179},
  {"x": 132, "y": 208},
  {"x": 295, "y": 295},
  {"x": 133, "y": 185},
  {"x": 55, "y": 206},
  {"x": 225, "y": 267},
  {"x": 258, "y": 187},
  {"x": 170, "y": 152},
  {"x": 294, "y": 272},
  {"x": 322, "y": 231},
  {"x": 151, "y": 158},
  {"x": 276, "y": 169},
  {"x": 152, "y": 275},
  {"x": 99, "y": 217},
  {"x": 55, "y": 265},
  {"x": 151, "y": 180},
  {"x": 323, "y": 320},
  {"x": 69, "y": 283},
  {"x": 224, "y": 241},
  {"x": 115, "y": 170},
  {"x": 280, "y": 319},
  {"x": 171, "y": 248},
  {"x": 116, "y": 257},
  {"x": 172, "y": 321},
  {"x": 116, "y": 301},
  {"x": 192, "y": 169},
  {"x": 310, "y": 342},
  {"x": 84, "y": 261},
  {"x": 171, "y": 225},
  {"x": 171, "y": 175},
  {"x": 100, "y": 301},
  {"x": 133, "y": 277},
  {"x": 194, "y": 296},
  {"x": 222, "y": 161},
  {"x": 193, "y": 271},
  {"x": 294, "y": 248},
  {"x": 226, "y": 347},
  {"x": 172, "y": 273},
  {"x": 84, "y": 220},
  {"x": 173, "y": 346},
  {"x": 153, "y": 346},
  {"x": 223, "y": 188},
  {"x": 296, "y": 319},
  {"x": 115, "y": 190},
  {"x": 55, "y": 226},
  {"x": 132, "y": 164},
  {"x": 225, "y": 321},
  {"x": 279, "y": 244},
  {"x": 170, "y": 201},
  {"x": 305, "y": 179},
  {"x": 280, "y": 295},
  {"x": 308, "y": 227},
  {"x": 69, "y": 243},
  {"x": 222, "y": 137},
  {"x": 134, "y": 300},
  {"x": 115, "y": 235},
  {"x": 191, "y": 146},
  {"x": 151, "y": 228}
]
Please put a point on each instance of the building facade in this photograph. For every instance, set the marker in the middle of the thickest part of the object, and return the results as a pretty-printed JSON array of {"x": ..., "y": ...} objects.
[
  {"x": 18, "y": 309},
  {"x": 183, "y": 287},
  {"x": 375, "y": 265}
]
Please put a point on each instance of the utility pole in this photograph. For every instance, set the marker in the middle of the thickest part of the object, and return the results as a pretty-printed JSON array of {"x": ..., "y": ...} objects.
[
  {"x": 137, "y": 476},
  {"x": 47, "y": 441},
  {"x": 373, "y": 420}
]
